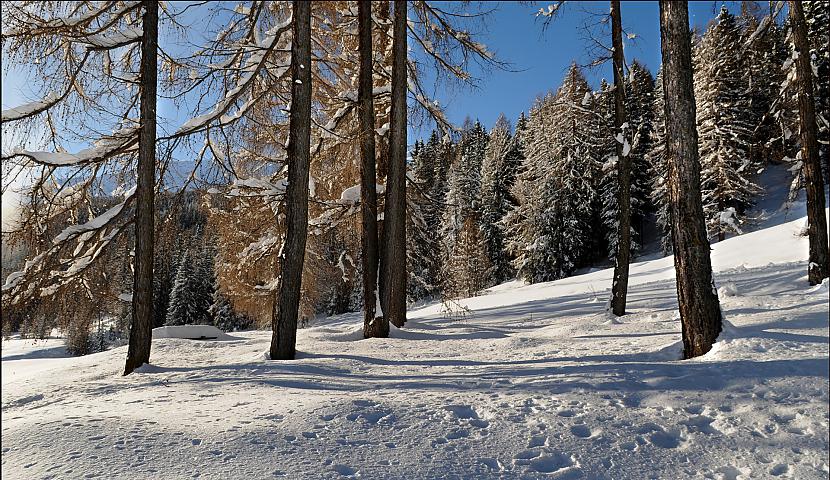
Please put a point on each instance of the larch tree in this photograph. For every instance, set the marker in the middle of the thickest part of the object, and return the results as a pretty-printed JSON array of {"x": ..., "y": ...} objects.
[
  {"x": 819, "y": 260},
  {"x": 394, "y": 231},
  {"x": 700, "y": 313},
  {"x": 141, "y": 328},
  {"x": 284, "y": 327},
  {"x": 619, "y": 285},
  {"x": 105, "y": 59},
  {"x": 375, "y": 324}
]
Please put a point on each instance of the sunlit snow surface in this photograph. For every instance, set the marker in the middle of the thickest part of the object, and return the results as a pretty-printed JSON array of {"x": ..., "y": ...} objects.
[{"x": 534, "y": 382}]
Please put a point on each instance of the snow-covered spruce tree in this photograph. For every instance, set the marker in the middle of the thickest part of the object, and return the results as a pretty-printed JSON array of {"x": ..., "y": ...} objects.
[
  {"x": 550, "y": 229},
  {"x": 724, "y": 127},
  {"x": 764, "y": 53},
  {"x": 639, "y": 107},
  {"x": 498, "y": 174},
  {"x": 421, "y": 264},
  {"x": 463, "y": 198},
  {"x": 423, "y": 250},
  {"x": 185, "y": 305},
  {"x": 205, "y": 278},
  {"x": 223, "y": 315},
  {"x": 639, "y": 99},
  {"x": 817, "y": 17},
  {"x": 658, "y": 162}
]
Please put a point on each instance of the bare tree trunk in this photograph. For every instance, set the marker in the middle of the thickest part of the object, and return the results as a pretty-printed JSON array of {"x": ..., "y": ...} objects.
[
  {"x": 141, "y": 329},
  {"x": 819, "y": 266},
  {"x": 372, "y": 326},
  {"x": 700, "y": 313},
  {"x": 284, "y": 318},
  {"x": 619, "y": 288},
  {"x": 394, "y": 245}
]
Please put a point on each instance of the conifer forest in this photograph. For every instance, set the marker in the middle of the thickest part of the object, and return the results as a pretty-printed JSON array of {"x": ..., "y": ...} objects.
[{"x": 415, "y": 239}]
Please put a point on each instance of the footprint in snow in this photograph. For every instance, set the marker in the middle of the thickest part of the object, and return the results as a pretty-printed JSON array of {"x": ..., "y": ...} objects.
[
  {"x": 492, "y": 464},
  {"x": 780, "y": 470},
  {"x": 583, "y": 431},
  {"x": 346, "y": 471},
  {"x": 468, "y": 413},
  {"x": 548, "y": 462},
  {"x": 537, "y": 441}
]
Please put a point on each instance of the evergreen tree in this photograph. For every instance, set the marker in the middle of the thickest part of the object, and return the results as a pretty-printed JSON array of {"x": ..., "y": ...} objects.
[
  {"x": 422, "y": 245},
  {"x": 724, "y": 129},
  {"x": 498, "y": 174},
  {"x": 223, "y": 315},
  {"x": 817, "y": 17},
  {"x": 660, "y": 168},
  {"x": 551, "y": 227},
  {"x": 205, "y": 279},
  {"x": 764, "y": 56},
  {"x": 468, "y": 262},
  {"x": 640, "y": 130},
  {"x": 463, "y": 198},
  {"x": 639, "y": 100},
  {"x": 186, "y": 307}
]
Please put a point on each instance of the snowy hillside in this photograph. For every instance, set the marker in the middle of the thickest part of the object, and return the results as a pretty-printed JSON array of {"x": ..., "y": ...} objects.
[{"x": 533, "y": 382}]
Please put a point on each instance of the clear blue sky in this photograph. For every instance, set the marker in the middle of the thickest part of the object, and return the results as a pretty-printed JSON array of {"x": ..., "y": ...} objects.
[
  {"x": 515, "y": 34},
  {"x": 543, "y": 57}
]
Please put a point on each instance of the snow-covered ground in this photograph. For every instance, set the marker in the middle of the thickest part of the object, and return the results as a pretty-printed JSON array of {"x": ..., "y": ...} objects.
[{"x": 531, "y": 382}]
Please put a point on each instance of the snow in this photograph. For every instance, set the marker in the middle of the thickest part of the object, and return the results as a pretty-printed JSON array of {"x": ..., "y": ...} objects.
[
  {"x": 256, "y": 61},
  {"x": 114, "y": 39},
  {"x": 191, "y": 332},
  {"x": 95, "y": 223},
  {"x": 27, "y": 109},
  {"x": 532, "y": 382},
  {"x": 120, "y": 141}
]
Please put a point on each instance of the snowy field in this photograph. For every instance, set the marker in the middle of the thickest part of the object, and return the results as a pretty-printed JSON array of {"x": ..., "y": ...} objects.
[{"x": 533, "y": 382}]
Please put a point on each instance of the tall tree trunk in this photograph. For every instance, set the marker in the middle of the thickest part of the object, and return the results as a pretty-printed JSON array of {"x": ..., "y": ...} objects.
[
  {"x": 286, "y": 308},
  {"x": 700, "y": 313},
  {"x": 372, "y": 326},
  {"x": 394, "y": 245},
  {"x": 619, "y": 288},
  {"x": 819, "y": 266},
  {"x": 141, "y": 329}
]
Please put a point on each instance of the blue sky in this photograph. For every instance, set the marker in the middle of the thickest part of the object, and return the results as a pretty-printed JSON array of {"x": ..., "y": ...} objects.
[
  {"x": 540, "y": 57},
  {"x": 543, "y": 57}
]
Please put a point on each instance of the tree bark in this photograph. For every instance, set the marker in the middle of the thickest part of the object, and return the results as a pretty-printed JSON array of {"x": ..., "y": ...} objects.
[
  {"x": 284, "y": 318},
  {"x": 619, "y": 288},
  {"x": 372, "y": 326},
  {"x": 141, "y": 329},
  {"x": 394, "y": 245},
  {"x": 697, "y": 299},
  {"x": 819, "y": 266}
]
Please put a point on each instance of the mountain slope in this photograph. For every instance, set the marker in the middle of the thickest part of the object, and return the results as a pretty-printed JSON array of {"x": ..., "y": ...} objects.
[{"x": 525, "y": 382}]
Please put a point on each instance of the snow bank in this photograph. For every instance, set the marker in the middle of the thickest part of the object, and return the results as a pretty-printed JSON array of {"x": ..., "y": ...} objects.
[{"x": 191, "y": 332}]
